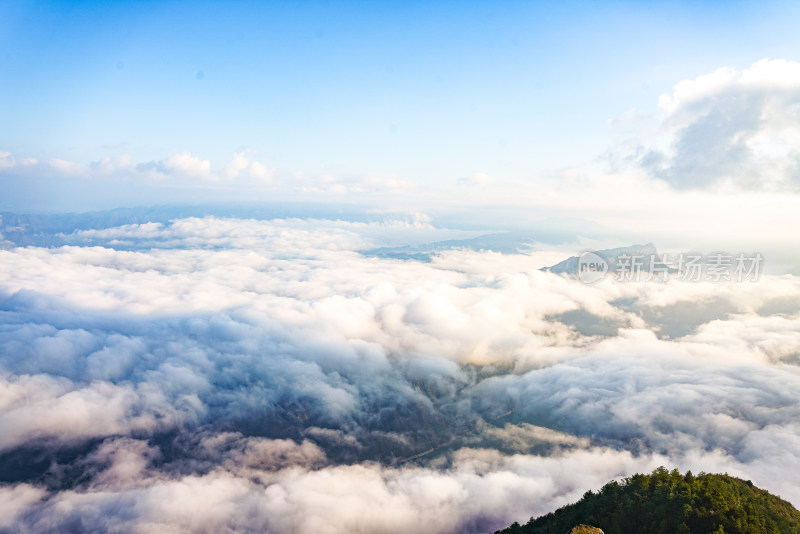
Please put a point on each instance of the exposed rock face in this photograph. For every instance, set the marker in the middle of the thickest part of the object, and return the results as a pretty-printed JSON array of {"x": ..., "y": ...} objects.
[{"x": 585, "y": 529}]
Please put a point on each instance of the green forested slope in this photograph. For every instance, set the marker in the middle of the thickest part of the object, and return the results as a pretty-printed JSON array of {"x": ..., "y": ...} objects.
[{"x": 665, "y": 502}]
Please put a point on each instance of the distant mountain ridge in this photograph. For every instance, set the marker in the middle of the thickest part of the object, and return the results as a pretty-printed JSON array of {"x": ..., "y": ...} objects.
[{"x": 644, "y": 253}]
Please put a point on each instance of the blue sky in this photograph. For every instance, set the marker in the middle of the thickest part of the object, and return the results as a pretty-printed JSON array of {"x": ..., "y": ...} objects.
[{"x": 424, "y": 91}]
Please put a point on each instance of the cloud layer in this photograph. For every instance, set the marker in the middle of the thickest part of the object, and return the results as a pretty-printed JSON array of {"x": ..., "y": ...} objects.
[{"x": 231, "y": 374}]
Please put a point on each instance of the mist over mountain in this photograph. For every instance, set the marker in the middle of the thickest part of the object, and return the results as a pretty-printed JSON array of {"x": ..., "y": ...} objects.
[{"x": 281, "y": 370}]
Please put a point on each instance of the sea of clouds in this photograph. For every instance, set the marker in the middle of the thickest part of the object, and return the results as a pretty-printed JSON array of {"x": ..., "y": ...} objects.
[{"x": 219, "y": 374}]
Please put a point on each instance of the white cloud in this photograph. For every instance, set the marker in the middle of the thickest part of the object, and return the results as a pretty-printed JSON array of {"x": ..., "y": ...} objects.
[
  {"x": 181, "y": 166},
  {"x": 730, "y": 128},
  {"x": 185, "y": 163},
  {"x": 14, "y": 500},
  {"x": 241, "y": 165},
  {"x": 8, "y": 161},
  {"x": 481, "y": 490}
]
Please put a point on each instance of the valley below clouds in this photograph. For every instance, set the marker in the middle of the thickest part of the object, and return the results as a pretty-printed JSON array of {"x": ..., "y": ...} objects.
[{"x": 217, "y": 374}]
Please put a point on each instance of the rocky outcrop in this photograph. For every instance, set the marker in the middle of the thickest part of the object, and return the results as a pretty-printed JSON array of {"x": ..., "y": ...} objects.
[{"x": 585, "y": 529}]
